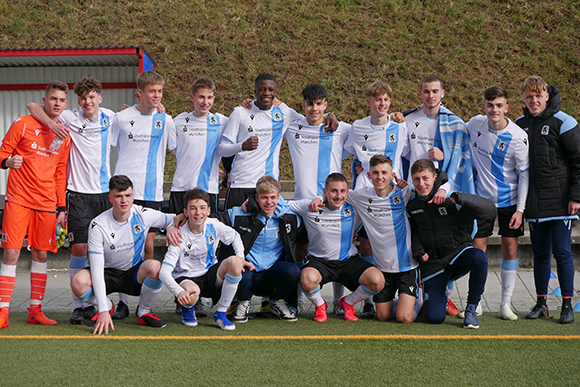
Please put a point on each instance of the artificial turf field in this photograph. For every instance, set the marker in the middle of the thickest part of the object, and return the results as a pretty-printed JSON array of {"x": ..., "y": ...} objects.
[{"x": 304, "y": 353}]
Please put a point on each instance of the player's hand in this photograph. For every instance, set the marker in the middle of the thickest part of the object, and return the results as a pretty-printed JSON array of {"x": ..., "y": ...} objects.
[
  {"x": 331, "y": 122},
  {"x": 61, "y": 219},
  {"x": 14, "y": 162},
  {"x": 516, "y": 220},
  {"x": 424, "y": 257},
  {"x": 184, "y": 298},
  {"x": 358, "y": 169},
  {"x": 247, "y": 265},
  {"x": 222, "y": 174},
  {"x": 398, "y": 117},
  {"x": 104, "y": 321},
  {"x": 251, "y": 143},
  {"x": 436, "y": 154},
  {"x": 247, "y": 103},
  {"x": 439, "y": 197},
  {"x": 60, "y": 129},
  {"x": 452, "y": 200},
  {"x": 244, "y": 205},
  {"x": 573, "y": 207},
  {"x": 179, "y": 220},
  {"x": 315, "y": 205},
  {"x": 173, "y": 236},
  {"x": 125, "y": 106},
  {"x": 401, "y": 183},
  {"x": 161, "y": 108},
  {"x": 276, "y": 102}
]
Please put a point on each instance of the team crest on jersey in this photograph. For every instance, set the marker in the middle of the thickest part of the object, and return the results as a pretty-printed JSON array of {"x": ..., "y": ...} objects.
[
  {"x": 396, "y": 200},
  {"x": 413, "y": 136},
  {"x": 112, "y": 247},
  {"x": 366, "y": 137},
  {"x": 442, "y": 211},
  {"x": 364, "y": 148},
  {"x": 252, "y": 117},
  {"x": 212, "y": 120},
  {"x": 130, "y": 135},
  {"x": 184, "y": 129},
  {"x": 475, "y": 144},
  {"x": 369, "y": 210},
  {"x": 501, "y": 145},
  {"x": 105, "y": 122},
  {"x": 186, "y": 254},
  {"x": 81, "y": 130},
  {"x": 113, "y": 235},
  {"x": 347, "y": 212},
  {"x": 297, "y": 136},
  {"x": 4, "y": 237},
  {"x": 392, "y": 138},
  {"x": 137, "y": 228},
  {"x": 132, "y": 122},
  {"x": 34, "y": 145},
  {"x": 211, "y": 239},
  {"x": 250, "y": 129},
  {"x": 277, "y": 116},
  {"x": 288, "y": 228},
  {"x": 37, "y": 131},
  {"x": 158, "y": 124},
  {"x": 545, "y": 130},
  {"x": 317, "y": 219}
]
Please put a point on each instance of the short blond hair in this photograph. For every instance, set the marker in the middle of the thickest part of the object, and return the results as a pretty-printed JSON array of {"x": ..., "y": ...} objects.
[
  {"x": 267, "y": 184},
  {"x": 378, "y": 88},
  {"x": 534, "y": 83},
  {"x": 203, "y": 82},
  {"x": 147, "y": 78}
]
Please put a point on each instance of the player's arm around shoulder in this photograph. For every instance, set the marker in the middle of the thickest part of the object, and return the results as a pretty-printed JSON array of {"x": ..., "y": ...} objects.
[{"x": 474, "y": 206}]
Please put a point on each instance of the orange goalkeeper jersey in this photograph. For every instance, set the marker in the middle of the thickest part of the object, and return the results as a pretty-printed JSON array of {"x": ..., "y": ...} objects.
[{"x": 40, "y": 183}]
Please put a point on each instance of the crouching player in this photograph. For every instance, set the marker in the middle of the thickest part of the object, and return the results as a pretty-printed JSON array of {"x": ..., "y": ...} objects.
[
  {"x": 116, "y": 249},
  {"x": 191, "y": 270},
  {"x": 442, "y": 243}
]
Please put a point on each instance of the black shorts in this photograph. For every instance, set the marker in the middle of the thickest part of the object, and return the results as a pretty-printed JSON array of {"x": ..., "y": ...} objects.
[
  {"x": 405, "y": 282},
  {"x": 206, "y": 283},
  {"x": 122, "y": 281},
  {"x": 237, "y": 196},
  {"x": 176, "y": 204},
  {"x": 504, "y": 215},
  {"x": 149, "y": 204},
  {"x": 346, "y": 272},
  {"x": 81, "y": 209}
]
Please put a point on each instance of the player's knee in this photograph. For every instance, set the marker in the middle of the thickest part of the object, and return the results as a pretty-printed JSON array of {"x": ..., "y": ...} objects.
[
  {"x": 435, "y": 318},
  {"x": 234, "y": 265},
  {"x": 406, "y": 318},
  {"x": 151, "y": 268},
  {"x": 308, "y": 281},
  {"x": 80, "y": 282},
  {"x": 383, "y": 315}
]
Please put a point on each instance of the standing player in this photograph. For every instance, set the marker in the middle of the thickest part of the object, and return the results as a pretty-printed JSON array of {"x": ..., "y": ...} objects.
[
  {"x": 34, "y": 195},
  {"x": 501, "y": 159},
  {"x": 197, "y": 136},
  {"x": 554, "y": 195},
  {"x": 116, "y": 249},
  {"x": 88, "y": 173},
  {"x": 191, "y": 268}
]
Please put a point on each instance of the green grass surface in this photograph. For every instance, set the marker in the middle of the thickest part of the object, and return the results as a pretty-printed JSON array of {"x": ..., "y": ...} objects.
[{"x": 286, "y": 362}]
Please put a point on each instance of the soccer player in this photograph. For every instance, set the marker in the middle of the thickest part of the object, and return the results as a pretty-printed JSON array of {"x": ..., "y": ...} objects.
[
  {"x": 142, "y": 135},
  {"x": 88, "y": 173},
  {"x": 554, "y": 194},
  {"x": 442, "y": 243},
  {"x": 437, "y": 134},
  {"x": 35, "y": 200},
  {"x": 116, "y": 249},
  {"x": 191, "y": 270},
  {"x": 501, "y": 159},
  {"x": 332, "y": 255},
  {"x": 268, "y": 231},
  {"x": 197, "y": 136}
]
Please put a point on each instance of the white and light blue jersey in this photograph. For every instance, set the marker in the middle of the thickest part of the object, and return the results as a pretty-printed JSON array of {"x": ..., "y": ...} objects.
[
  {"x": 88, "y": 168},
  {"x": 269, "y": 126},
  {"x": 330, "y": 232},
  {"x": 386, "y": 223},
  {"x": 501, "y": 159},
  {"x": 196, "y": 151},
  {"x": 142, "y": 141},
  {"x": 197, "y": 253},
  {"x": 365, "y": 140},
  {"x": 423, "y": 135},
  {"x": 316, "y": 153}
]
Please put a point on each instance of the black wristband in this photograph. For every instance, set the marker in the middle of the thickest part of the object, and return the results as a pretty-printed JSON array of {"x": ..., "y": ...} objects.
[
  {"x": 60, "y": 209},
  {"x": 4, "y": 164}
]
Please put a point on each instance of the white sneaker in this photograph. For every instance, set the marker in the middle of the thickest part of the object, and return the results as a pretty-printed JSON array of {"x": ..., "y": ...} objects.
[
  {"x": 506, "y": 313},
  {"x": 241, "y": 315},
  {"x": 280, "y": 308}
]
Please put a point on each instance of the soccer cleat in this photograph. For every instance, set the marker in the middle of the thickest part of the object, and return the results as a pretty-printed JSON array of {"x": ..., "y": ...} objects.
[
  {"x": 220, "y": 320},
  {"x": 4, "y": 321},
  {"x": 506, "y": 313},
  {"x": 470, "y": 320},
  {"x": 349, "y": 312},
  {"x": 336, "y": 309},
  {"x": 452, "y": 310},
  {"x": 241, "y": 314},
  {"x": 539, "y": 310},
  {"x": 368, "y": 311},
  {"x": 93, "y": 319},
  {"x": 151, "y": 320},
  {"x": 199, "y": 311},
  {"x": 121, "y": 312},
  {"x": 188, "y": 316},
  {"x": 567, "y": 315},
  {"x": 280, "y": 308},
  {"x": 35, "y": 316},
  {"x": 320, "y": 313},
  {"x": 77, "y": 317},
  {"x": 89, "y": 312}
]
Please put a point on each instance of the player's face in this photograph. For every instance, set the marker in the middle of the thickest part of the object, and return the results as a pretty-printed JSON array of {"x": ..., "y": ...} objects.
[
  {"x": 381, "y": 176},
  {"x": 336, "y": 193},
  {"x": 314, "y": 111},
  {"x": 495, "y": 110},
  {"x": 267, "y": 202},
  {"x": 536, "y": 102},
  {"x": 197, "y": 211},
  {"x": 431, "y": 94},
  {"x": 54, "y": 103},
  {"x": 121, "y": 200},
  {"x": 202, "y": 101},
  {"x": 90, "y": 102},
  {"x": 151, "y": 95},
  {"x": 379, "y": 105},
  {"x": 423, "y": 182},
  {"x": 265, "y": 94}
]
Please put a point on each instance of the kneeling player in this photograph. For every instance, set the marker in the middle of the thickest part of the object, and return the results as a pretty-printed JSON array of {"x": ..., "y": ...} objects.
[
  {"x": 116, "y": 248},
  {"x": 191, "y": 269}
]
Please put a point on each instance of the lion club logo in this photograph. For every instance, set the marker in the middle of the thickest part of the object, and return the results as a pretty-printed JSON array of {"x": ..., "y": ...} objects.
[{"x": 137, "y": 229}]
